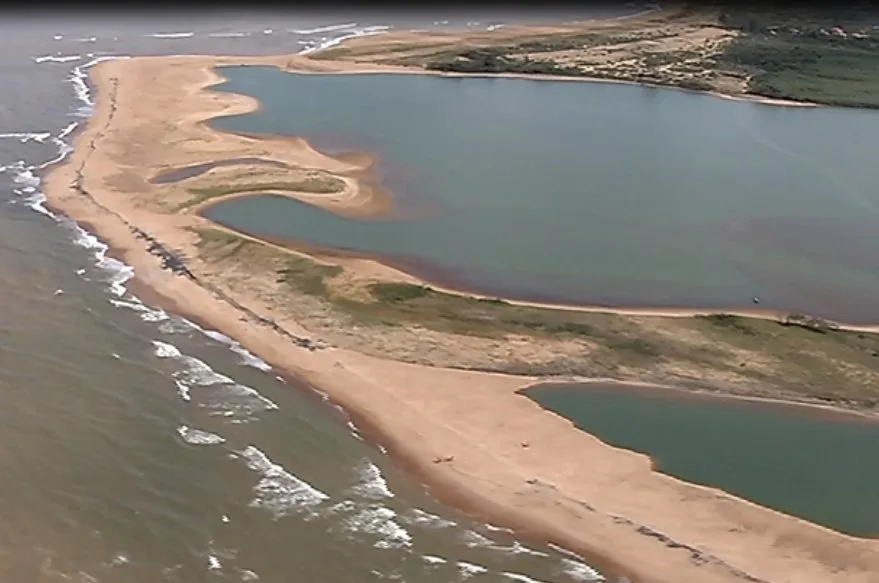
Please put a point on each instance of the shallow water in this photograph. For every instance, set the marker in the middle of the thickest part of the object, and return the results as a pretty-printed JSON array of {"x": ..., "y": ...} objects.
[
  {"x": 810, "y": 463},
  {"x": 589, "y": 192},
  {"x": 140, "y": 448}
]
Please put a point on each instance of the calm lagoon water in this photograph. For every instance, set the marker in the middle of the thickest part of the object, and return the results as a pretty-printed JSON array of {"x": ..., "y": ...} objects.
[
  {"x": 811, "y": 464},
  {"x": 589, "y": 192}
]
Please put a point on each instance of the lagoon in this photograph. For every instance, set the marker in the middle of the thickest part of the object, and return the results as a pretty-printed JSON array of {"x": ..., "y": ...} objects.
[
  {"x": 592, "y": 193},
  {"x": 803, "y": 461}
]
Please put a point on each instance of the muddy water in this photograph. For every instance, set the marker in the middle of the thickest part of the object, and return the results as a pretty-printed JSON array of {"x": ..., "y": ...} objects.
[{"x": 138, "y": 447}]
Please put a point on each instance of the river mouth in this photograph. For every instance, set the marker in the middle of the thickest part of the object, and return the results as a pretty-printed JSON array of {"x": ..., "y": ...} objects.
[
  {"x": 807, "y": 462},
  {"x": 730, "y": 201}
]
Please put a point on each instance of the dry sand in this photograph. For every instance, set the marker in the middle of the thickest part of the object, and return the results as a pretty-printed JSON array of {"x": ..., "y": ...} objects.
[{"x": 463, "y": 432}]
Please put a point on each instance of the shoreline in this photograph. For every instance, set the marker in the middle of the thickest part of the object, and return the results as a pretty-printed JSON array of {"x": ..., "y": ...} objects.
[
  {"x": 396, "y": 270},
  {"x": 385, "y": 208},
  {"x": 411, "y": 70},
  {"x": 633, "y": 514},
  {"x": 445, "y": 490},
  {"x": 829, "y": 410}
]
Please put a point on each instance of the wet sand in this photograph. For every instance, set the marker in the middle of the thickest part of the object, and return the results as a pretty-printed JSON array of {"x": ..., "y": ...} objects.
[{"x": 461, "y": 431}]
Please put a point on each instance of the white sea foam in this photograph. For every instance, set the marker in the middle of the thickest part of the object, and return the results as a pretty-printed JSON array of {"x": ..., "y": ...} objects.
[
  {"x": 426, "y": 519},
  {"x": 355, "y": 433},
  {"x": 322, "y": 29},
  {"x": 580, "y": 571},
  {"x": 279, "y": 491},
  {"x": 165, "y": 350},
  {"x": 433, "y": 560},
  {"x": 474, "y": 539},
  {"x": 228, "y": 34},
  {"x": 214, "y": 563},
  {"x": 340, "y": 507},
  {"x": 248, "y": 575},
  {"x": 520, "y": 577},
  {"x": 183, "y": 390},
  {"x": 470, "y": 569},
  {"x": 171, "y": 34},
  {"x": 380, "y": 521},
  {"x": 78, "y": 78},
  {"x": 25, "y": 137},
  {"x": 119, "y": 273},
  {"x": 57, "y": 58},
  {"x": 331, "y": 42},
  {"x": 198, "y": 437},
  {"x": 25, "y": 178},
  {"x": 175, "y": 325},
  {"x": 68, "y": 130},
  {"x": 494, "y": 528},
  {"x": 227, "y": 397},
  {"x": 247, "y": 357},
  {"x": 372, "y": 483},
  {"x": 87, "y": 39},
  {"x": 148, "y": 314}
]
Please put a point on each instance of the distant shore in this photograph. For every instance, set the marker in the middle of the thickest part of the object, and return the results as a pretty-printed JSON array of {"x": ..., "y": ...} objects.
[{"x": 461, "y": 430}]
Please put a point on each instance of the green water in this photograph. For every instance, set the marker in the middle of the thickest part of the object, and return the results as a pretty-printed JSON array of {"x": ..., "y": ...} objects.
[
  {"x": 589, "y": 192},
  {"x": 816, "y": 466}
]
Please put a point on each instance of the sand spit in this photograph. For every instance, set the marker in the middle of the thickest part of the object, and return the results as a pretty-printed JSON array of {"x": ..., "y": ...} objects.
[{"x": 461, "y": 431}]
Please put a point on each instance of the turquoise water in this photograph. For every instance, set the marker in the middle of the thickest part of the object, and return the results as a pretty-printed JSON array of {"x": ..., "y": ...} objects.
[
  {"x": 817, "y": 466},
  {"x": 589, "y": 192}
]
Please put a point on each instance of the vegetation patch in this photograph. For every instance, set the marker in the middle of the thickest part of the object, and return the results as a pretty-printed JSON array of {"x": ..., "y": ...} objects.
[
  {"x": 311, "y": 185},
  {"x": 826, "y": 55},
  {"x": 796, "y": 355},
  {"x": 494, "y": 61},
  {"x": 730, "y": 322},
  {"x": 307, "y": 276}
]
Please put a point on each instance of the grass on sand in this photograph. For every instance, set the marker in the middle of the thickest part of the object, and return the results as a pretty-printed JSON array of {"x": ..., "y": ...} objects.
[
  {"x": 311, "y": 185},
  {"x": 796, "y": 357}
]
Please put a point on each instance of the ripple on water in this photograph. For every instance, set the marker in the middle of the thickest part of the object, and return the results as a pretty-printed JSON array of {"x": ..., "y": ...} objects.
[{"x": 227, "y": 398}]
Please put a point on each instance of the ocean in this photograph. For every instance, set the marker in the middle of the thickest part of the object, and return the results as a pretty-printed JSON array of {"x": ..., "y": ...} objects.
[{"x": 139, "y": 446}]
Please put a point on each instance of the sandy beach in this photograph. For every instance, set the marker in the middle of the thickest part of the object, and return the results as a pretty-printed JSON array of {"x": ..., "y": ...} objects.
[{"x": 461, "y": 432}]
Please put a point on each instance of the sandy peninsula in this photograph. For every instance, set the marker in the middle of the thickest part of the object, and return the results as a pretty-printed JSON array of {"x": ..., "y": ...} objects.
[{"x": 460, "y": 430}]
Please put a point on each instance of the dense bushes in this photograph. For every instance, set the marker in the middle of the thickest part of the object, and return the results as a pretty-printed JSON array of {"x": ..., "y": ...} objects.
[{"x": 490, "y": 61}]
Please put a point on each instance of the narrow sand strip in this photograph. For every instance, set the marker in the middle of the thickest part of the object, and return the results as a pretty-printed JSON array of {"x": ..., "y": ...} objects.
[{"x": 462, "y": 431}]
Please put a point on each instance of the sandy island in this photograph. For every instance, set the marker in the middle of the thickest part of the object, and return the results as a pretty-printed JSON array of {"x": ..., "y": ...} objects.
[{"x": 461, "y": 431}]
